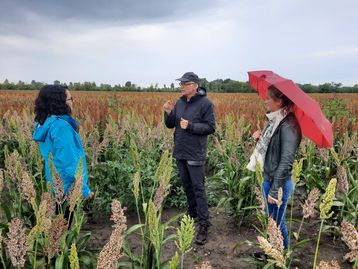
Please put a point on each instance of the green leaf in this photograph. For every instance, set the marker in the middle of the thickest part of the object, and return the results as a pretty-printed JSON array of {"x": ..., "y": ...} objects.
[
  {"x": 144, "y": 207},
  {"x": 267, "y": 266},
  {"x": 239, "y": 244},
  {"x": 7, "y": 211},
  {"x": 253, "y": 261},
  {"x": 250, "y": 207},
  {"x": 133, "y": 228},
  {"x": 59, "y": 262},
  {"x": 172, "y": 219},
  {"x": 170, "y": 237},
  {"x": 165, "y": 264},
  {"x": 126, "y": 264},
  {"x": 295, "y": 235},
  {"x": 300, "y": 244},
  {"x": 338, "y": 203},
  {"x": 84, "y": 259}
]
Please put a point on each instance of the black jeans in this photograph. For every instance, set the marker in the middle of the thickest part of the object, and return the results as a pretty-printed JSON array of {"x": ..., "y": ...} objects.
[{"x": 193, "y": 180}]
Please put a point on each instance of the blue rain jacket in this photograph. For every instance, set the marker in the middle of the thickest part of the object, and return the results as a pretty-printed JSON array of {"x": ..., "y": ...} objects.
[{"x": 59, "y": 136}]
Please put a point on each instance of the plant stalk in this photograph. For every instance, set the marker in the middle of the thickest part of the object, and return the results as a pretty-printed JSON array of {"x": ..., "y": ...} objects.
[{"x": 317, "y": 246}]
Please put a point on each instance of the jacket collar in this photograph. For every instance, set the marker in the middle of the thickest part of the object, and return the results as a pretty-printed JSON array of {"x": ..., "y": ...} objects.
[
  {"x": 70, "y": 120},
  {"x": 40, "y": 131},
  {"x": 288, "y": 117},
  {"x": 201, "y": 92}
]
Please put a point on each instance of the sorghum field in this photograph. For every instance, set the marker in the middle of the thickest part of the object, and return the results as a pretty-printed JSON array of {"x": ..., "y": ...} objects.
[{"x": 135, "y": 219}]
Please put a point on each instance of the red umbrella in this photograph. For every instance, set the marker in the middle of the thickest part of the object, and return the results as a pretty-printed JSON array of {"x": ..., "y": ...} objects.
[{"x": 308, "y": 112}]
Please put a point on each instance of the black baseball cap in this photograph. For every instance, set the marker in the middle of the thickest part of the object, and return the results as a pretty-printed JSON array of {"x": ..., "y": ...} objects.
[{"x": 189, "y": 76}]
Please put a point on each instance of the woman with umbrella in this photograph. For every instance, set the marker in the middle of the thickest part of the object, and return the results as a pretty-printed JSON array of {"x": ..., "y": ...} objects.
[{"x": 275, "y": 152}]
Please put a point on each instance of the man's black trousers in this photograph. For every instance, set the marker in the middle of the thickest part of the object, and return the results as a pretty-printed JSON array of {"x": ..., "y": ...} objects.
[{"x": 193, "y": 180}]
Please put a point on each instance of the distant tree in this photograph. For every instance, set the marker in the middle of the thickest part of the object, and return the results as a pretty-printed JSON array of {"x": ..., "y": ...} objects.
[
  {"x": 245, "y": 87},
  {"x": 20, "y": 85},
  {"x": 105, "y": 87},
  {"x": 216, "y": 85},
  {"x": 231, "y": 86},
  {"x": 34, "y": 85},
  {"x": 56, "y": 82},
  {"x": 329, "y": 87},
  {"x": 309, "y": 88},
  {"x": 128, "y": 84},
  {"x": 204, "y": 83},
  {"x": 337, "y": 85},
  {"x": 76, "y": 86},
  {"x": 8, "y": 85}
]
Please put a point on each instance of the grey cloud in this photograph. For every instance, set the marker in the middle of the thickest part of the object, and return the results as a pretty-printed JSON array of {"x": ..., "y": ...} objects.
[
  {"x": 19, "y": 13},
  {"x": 142, "y": 41}
]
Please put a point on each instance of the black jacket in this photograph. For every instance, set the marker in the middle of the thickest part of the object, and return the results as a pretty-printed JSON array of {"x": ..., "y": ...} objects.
[
  {"x": 191, "y": 143},
  {"x": 281, "y": 151}
]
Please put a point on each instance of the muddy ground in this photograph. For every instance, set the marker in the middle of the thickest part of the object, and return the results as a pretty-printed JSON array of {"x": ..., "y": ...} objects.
[{"x": 227, "y": 243}]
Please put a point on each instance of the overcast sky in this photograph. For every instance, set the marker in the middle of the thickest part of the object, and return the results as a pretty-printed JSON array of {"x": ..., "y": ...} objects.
[{"x": 148, "y": 42}]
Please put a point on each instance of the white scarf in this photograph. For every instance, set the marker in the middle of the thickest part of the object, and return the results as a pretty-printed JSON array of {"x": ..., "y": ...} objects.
[{"x": 274, "y": 119}]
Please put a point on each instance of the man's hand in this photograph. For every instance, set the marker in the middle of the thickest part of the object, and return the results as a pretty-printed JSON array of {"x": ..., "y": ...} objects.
[
  {"x": 168, "y": 106},
  {"x": 184, "y": 123}
]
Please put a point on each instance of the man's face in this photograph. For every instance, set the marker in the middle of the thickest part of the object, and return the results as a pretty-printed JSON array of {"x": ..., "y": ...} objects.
[{"x": 188, "y": 89}]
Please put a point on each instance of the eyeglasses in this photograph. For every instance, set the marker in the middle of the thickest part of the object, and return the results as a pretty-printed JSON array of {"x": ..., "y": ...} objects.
[
  {"x": 186, "y": 83},
  {"x": 70, "y": 99}
]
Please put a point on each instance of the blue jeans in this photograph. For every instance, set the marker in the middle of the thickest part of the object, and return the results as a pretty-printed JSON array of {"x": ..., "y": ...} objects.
[{"x": 279, "y": 215}]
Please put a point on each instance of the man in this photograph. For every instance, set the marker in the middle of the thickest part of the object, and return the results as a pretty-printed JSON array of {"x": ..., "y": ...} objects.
[{"x": 193, "y": 119}]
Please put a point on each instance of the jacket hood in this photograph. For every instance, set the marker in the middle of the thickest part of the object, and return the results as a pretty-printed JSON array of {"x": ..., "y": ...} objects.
[
  {"x": 201, "y": 92},
  {"x": 41, "y": 131}
]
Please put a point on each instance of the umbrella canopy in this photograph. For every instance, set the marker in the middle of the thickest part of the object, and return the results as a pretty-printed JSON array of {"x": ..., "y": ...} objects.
[{"x": 308, "y": 112}]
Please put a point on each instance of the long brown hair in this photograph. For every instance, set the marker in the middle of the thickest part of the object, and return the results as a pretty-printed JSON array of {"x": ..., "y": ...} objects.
[{"x": 277, "y": 95}]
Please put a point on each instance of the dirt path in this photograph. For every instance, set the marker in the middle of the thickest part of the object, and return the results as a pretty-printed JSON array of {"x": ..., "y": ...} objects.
[{"x": 226, "y": 243}]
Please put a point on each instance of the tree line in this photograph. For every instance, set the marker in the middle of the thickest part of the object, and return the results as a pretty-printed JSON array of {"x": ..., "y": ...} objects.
[{"x": 218, "y": 85}]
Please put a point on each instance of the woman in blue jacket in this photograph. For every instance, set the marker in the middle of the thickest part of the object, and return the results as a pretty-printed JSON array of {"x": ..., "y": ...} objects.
[{"x": 57, "y": 134}]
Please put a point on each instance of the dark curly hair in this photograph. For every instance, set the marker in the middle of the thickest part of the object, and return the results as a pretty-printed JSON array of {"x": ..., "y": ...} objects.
[{"x": 51, "y": 101}]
